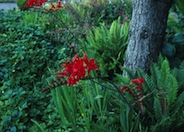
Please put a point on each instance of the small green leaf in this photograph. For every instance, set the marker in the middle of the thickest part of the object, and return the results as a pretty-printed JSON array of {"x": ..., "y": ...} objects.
[
  {"x": 98, "y": 97},
  {"x": 178, "y": 38},
  {"x": 157, "y": 109}
]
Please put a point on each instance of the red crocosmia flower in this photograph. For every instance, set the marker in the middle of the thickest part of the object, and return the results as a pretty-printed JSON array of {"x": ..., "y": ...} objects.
[
  {"x": 85, "y": 58},
  {"x": 72, "y": 80},
  {"x": 124, "y": 88},
  {"x": 59, "y": 4},
  {"x": 138, "y": 81},
  {"x": 69, "y": 68},
  {"x": 56, "y": 6},
  {"x": 31, "y": 3},
  {"x": 52, "y": 6},
  {"x": 139, "y": 87},
  {"x": 61, "y": 74},
  {"x": 77, "y": 68},
  {"x": 90, "y": 64},
  {"x": 76, "y": 57}
]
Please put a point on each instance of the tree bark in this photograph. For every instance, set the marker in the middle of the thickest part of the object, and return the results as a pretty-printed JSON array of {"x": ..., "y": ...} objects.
[{"x": 147, "y": 32}]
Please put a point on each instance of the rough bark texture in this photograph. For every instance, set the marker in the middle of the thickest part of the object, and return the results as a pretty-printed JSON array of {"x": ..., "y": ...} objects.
[{"x": 147, "y": 32}]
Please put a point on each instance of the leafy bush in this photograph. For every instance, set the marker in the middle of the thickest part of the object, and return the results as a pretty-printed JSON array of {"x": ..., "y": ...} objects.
[
  {"x": 108, "y": 45},
  {"x": 152, "y": 102},
  {"x": 21, "y": 3},
  {"x": 86, "y": 107},
  {"x": 108, "y": 12},
  {"x": 34, "y": 18},
  {"x": 96, "y": 12},
  {"x": 174, "y": 44},
  {"x": 167, "y": 100},
  {"x": 26, "y": 53}
]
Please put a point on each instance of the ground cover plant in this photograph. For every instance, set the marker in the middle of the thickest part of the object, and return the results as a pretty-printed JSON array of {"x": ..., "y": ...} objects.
[
  {"x": 60, "y": 70},
  {"x": 22, "y": 46}
]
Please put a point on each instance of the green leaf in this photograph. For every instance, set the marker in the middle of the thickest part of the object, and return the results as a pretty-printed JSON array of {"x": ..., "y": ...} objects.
[
  {"x": 178, "y": 38},
  {"x": 149, "y": 84},
  {"x": 180, "y": 5},
  {"x": 129, "y": 72},
  {"x": 171, "y": 89},
  {"x": 40, "y": 129},
  {"x": 165, "y": 70},
  {"x": 98, "y": 97},
  {"x": 155, "y": 74},
  {"x": 122, "y": 79},
  {"x": 176, "y": 107},
  {"x": 157, "y": 109}
]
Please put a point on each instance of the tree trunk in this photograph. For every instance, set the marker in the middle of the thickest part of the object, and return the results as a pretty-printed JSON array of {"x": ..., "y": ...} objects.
[{"x": 147, "y": 32}]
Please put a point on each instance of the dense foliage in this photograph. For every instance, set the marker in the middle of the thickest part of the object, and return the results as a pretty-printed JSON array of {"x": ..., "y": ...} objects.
[
  {"x": 34, "y": 45},
  {"x": 26, "y": 53}
]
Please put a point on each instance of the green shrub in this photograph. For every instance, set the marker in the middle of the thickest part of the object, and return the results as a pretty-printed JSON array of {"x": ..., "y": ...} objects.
[
  {"x": 167, "y": 100},
  {"x": 96, "y": 104},
  {"x": 108, "y": 12},
  {"x": 175, "y": 35},
  {"x": 26, "y": 53},
  {"x": 21, "y": 3},
  {"x": 34, "y": 18},
  {"x": 86, "y": 107},
  {"x": 108, "y": 45}
]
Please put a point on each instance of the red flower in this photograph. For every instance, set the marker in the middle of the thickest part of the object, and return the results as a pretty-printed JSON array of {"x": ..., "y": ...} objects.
[
  {"x": 76, "y": 57},
  {"x": 138, "y": 81},
  {"x": 90, "y": 64},
  {"x": 63, "y": 73},
  {"x": 77, "y": 68},
  {"x": 55, "y": 6},
  {"x": 59, "y": 4},
  {"x": 72, "y": 80},
  {"x": 139, "y": 87},
  {"x": 52, "y": 6},
  {"x": 31, "y": 3},
  {"x": 124, "y": 88}
]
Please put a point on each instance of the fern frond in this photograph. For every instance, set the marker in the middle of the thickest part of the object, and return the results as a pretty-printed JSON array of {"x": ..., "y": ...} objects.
[
  {"x": 171, "y": 86},
  {"x": 178, "y": 104},
  {"x": 160, "y": 60},
  {"x": 122, "y": 79},
  {"x": 179, "y": 74},
  {"x": 130, "y": 73},
  {"x": 164, "y": 125},
  {"x": 125, "y": 29},
  {"x": 164, "y": 71},
  {"x": 157, "y": 109},
  {"x": 113, "y": 30},
  {"x": 155, "y": 74},
  {"x": 108, "y": 45},
  {"x": 149, "y": 85}
]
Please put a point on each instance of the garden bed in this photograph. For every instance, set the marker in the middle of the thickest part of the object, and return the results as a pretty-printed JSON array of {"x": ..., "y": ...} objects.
[{"x": 61, "y": 70}]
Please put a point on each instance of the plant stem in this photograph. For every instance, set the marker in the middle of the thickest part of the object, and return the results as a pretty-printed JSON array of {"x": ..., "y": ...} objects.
[
  {"x": 59, "y": 20},
  {"x": 113, "y": 89}
]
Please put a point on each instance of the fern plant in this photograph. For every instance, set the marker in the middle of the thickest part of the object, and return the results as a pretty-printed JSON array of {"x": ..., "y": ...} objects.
[
  {"x": 107, "y": 45},
  {"x": 179, "y": 74},
  {"x": 165, "y": 105},
  {"x": 163, "y": 97}
]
